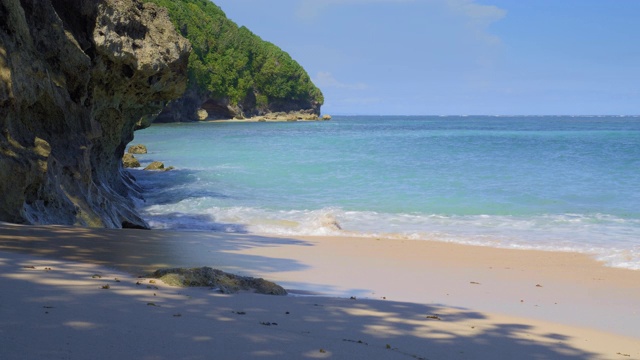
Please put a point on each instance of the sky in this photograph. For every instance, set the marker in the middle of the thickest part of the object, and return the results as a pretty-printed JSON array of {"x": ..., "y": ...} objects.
[{"x": 459, "y": 57}]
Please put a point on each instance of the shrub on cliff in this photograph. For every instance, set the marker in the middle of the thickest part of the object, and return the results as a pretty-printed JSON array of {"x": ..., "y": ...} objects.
[{"x": 230, "y": 62}]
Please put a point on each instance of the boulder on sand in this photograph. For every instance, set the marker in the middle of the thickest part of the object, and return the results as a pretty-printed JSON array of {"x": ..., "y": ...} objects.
[{"x": 224, "y": 282}]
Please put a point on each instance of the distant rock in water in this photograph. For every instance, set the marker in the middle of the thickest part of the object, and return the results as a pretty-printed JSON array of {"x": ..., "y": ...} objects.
[
  {"x": 76, "y": 77},
  {"x": 129, "y": 161},
  {"x": 137, "y": 149},
  {"x": 158, "y": 165},
  {"x": 225, "y": 282}
]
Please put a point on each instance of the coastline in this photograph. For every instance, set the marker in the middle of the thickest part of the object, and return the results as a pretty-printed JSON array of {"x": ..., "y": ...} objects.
[
  {"x": 255, "y": 120},
  {"x": 489, "y": 302}
]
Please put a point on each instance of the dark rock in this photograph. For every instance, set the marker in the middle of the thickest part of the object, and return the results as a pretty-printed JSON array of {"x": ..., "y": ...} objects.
[
  {"x": 187, "y": 108},
  {"x": 225, "y": 282},
  {"x": 76, "y": 78}
]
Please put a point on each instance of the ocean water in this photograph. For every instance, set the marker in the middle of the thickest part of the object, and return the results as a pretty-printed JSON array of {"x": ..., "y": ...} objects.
[{"x": 551, "y": 182}]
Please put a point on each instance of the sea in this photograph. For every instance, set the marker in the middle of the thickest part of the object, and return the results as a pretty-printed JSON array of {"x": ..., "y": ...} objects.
[{"x": 559, "y": 183}]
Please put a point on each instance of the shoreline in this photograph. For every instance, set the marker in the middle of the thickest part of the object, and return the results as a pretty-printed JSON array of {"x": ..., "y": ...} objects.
[
  {"x": 255, "y": 120},
  {"x": 590, "y": 307}
]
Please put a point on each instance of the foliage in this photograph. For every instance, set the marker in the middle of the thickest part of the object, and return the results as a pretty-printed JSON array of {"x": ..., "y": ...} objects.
[{"x": 231, "y": 62}]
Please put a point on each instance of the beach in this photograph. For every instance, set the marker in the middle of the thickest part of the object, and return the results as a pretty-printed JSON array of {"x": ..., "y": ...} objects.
[
  {"x": 353, "y": 298},
  {"x": 458, "y": 206}
]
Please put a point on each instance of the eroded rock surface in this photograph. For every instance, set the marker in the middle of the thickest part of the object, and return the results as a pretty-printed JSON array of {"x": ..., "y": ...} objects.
[
  {"x": 137, "y": 149},
  {"x": 129, "y": 161},
  {"x": 225, "y": 282},
  {"x": 76, "y": 77}
]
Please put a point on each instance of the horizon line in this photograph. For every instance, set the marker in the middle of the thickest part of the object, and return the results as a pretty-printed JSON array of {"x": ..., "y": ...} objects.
[{"x": 488, "y": 115}]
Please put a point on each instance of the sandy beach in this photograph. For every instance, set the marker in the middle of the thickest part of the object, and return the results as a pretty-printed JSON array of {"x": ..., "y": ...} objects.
[{"x": 74, "y": 293}]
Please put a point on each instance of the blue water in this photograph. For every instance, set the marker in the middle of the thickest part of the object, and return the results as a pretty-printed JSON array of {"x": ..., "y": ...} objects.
[{"x": 552, "y": 182}]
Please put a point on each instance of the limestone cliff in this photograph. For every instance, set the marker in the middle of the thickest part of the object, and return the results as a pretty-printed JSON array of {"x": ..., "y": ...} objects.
[
  {"x": 187, "y": 107},
  {"x": 75, "y": 78}
]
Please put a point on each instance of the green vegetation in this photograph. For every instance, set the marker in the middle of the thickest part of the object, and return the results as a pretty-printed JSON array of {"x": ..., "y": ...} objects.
[{"x": 231, "y": 62}]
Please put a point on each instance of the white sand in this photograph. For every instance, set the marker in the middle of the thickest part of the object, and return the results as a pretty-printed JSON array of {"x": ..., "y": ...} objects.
[{"x": 423, "y": 299}]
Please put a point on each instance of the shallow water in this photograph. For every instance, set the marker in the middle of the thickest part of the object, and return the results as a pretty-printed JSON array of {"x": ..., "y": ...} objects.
[{"x": 553, "y": 182}]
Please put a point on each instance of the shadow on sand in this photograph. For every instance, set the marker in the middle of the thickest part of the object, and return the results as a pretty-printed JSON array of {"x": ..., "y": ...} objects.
[{"x": 66, "y": 312}]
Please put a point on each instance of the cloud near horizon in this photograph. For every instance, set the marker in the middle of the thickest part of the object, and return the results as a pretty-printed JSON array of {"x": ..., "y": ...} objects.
[
  {"x": 309, "y": 9},
  {"x": 477, "y": 14},
  {"x": 325, "y": 79}
]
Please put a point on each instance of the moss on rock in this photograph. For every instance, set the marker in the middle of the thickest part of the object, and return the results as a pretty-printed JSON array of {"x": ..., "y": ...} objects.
[{"x": 227, "y": 283}]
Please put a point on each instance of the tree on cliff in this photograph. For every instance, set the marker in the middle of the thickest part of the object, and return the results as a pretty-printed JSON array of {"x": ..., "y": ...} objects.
[{"x": 233, "y": 70}]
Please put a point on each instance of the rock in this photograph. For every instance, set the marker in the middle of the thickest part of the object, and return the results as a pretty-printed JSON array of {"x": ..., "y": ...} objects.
[
  {"x": 76, "y": 78},
  {"x": 326, "y": 117},
  {"x": 329, "y": 221},
  {"x": 202, "y": 114},
  {"x": 156, "y": 165},
  {"x": 225, "y": 282},
  {"x": 187, "y": 109},
  {"x": 129, "y": 161},
  {"x": 137, "y": 149}
]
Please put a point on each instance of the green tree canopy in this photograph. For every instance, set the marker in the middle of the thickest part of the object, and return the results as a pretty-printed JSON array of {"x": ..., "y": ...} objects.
[{"x": 231, "y": 62}]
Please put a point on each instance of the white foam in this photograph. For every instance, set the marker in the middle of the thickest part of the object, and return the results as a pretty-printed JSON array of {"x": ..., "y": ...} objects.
[{"x": 608, "y": 238}]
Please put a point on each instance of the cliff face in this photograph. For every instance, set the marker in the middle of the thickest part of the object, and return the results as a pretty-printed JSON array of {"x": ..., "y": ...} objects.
[
  {"x": 75, "y": 78},
  {"x": 219, "y": 108}
]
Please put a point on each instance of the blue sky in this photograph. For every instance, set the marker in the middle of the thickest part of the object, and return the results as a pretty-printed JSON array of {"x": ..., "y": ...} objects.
[{"x": 455, "y": 57}]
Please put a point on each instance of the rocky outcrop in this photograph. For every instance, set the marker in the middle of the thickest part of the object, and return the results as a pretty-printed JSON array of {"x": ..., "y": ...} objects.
[
  {"x": 137, "y": 149},
  {"x": 129, "y": 161},
  {"x": 157, "y": 166},
  {"x": 194, "y": 102},
  {"x": 233, "y": 73},
  {"x": 76, "y": 77}
]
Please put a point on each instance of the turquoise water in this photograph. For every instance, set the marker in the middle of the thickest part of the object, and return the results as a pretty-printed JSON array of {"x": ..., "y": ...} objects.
[{"x": 553, "y": 182}]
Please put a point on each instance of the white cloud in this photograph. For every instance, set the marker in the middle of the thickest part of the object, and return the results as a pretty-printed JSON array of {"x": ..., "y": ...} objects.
[
  {"x": 476, "y": 16},
  {"x": 325, "y": 79},
  {"x": 312, "y": 8}
]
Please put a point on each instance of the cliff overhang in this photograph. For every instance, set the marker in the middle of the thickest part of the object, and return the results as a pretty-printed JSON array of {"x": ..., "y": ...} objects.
[{"x": 76, "y": 78}]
